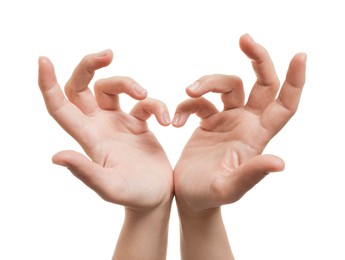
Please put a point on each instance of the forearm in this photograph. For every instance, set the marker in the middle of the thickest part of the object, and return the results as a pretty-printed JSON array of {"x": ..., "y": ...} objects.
[
  {"x": 203, "y": 235},
  {"x": 144, "y": 235}
]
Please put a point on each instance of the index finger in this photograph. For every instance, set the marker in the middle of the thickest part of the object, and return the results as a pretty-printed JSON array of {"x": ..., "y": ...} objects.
[{"x": 77, "y": 89}]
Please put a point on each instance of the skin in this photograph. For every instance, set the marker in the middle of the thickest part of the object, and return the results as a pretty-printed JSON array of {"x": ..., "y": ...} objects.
[
  {"x": 223, "y": 158},
  {"x": 126, "y": 164}
]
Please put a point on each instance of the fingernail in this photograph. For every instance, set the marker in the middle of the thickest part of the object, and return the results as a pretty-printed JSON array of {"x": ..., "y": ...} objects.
[
  {"x": 176, "y": 118},
  {"x": 250, "y": 37},
  {"x": 194, "y": 86},
  {"x": 62, "y": 163},
  {"x": 166, "y": 117},
  {"x": 103, "y": 53},
  {"x": 139, "y": 89},
  {"x": 42, "y": 59},
  {"x": 305, "y": 56}
]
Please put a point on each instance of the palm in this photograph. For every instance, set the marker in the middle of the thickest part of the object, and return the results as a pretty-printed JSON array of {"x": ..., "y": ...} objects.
[
  {"x": 134, "y": 159},
  {"x": 222, "y": 160},
  {"x": 215, "y": 149},
  {"x": 128, "y": 166}
]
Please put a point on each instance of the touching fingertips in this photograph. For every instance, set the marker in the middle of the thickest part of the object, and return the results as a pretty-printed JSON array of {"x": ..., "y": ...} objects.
[
  {"x": 166, "y": 118},
  {"x": 176, "y": 119}
]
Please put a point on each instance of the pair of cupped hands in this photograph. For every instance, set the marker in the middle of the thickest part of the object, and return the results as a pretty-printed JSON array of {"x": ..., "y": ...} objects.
[{"x": 219, "y": 164}]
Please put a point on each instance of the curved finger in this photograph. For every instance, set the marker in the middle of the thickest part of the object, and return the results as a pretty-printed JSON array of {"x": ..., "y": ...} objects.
[
  {"x": 267, "y": 84},
  {"x": 65, "y": 113},
  {"x": 285, "y": 106},
  {"x": 199, "y": 106},
  {"x": 231, "y": 88},
  {"x": 107, "y": 90},
  {"x": 77, "y": 89},
  {"x": 145, "y": 108},
  {"x": 232, "y": 187}
]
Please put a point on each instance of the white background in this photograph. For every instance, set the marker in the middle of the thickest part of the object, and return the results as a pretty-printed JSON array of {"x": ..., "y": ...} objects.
[{"x": 46, "y": 213}]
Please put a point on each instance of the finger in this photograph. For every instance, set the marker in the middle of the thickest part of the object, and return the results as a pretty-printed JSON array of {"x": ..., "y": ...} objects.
[
  {"x": 280, "y": 111},
  {"x": 92, "y": 174},
  {"x": 77, "y": 89},
  {"x": 65, "y": 113},
  {"x": 200, "y": 106},
  {"x": 145, "y": 108},
  {"x": 291, "y": 91},
  {"x": 267, "y": 84},
  {"x": 246, "y": 176},
  {"x": 231, "y": 88},
  {"x": 51, "y": 91},
  {"x": 107, "y": 91}
]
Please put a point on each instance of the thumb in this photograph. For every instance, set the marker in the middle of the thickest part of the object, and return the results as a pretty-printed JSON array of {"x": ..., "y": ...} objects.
[
  {"x": 83, "y": 168},
  {"x": 247, "y": 175}
]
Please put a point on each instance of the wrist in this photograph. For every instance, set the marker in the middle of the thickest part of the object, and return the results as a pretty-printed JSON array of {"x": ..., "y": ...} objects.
[
  {"x": 153, "y": 221},
  {"x": 138, "y": 215},
  {"x": 186, "y": 210},
  {"x": 144, "y": 234},
  {"x": 193, "y": 218},
  {"x": 203, "y": 234}
]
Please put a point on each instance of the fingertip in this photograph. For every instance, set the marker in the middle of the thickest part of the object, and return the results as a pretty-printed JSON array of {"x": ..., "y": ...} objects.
[
  {"x": 176, "y": 122},
  {"x": 296, "y": 74},
  {"x": 139, "y": 91},
  {"x": 176, "y": 119},
  {"x": 176, "y": 125},
  {"x": 104, "y": 58},
  {"x": 251, "y": 48},
  {"x": 58, "y": 159},
  {"x": 42, "y": 59},
  {"x": 192, "y": 94},
  {"x": 274, "y": 163},
  {"x": 245, "y": 40},
  {"x": 247, "y": 37},
  {"x": 302, "y": 57},
  {"x": 165, "y": 119},
  {"x": 193, "y": 89},
  {"x": 179, "y": 120},
  {"x": 105, "y": 53},
  {"x": 46, "y": 73},
  {"x": 278, "y": 165}
]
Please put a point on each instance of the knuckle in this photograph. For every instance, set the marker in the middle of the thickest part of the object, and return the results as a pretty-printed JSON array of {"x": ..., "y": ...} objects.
[
  {"x": 236, "y": 79},
  {"x": 125, "y": 81},
  {"x": 156, "y": 103},
  {"x": 98, "y": 84}
]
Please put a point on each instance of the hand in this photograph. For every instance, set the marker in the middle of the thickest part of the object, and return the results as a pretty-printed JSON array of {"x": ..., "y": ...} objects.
[
  {"x": 128, "y": 165},
  {"x": 222, "y": 160}
]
